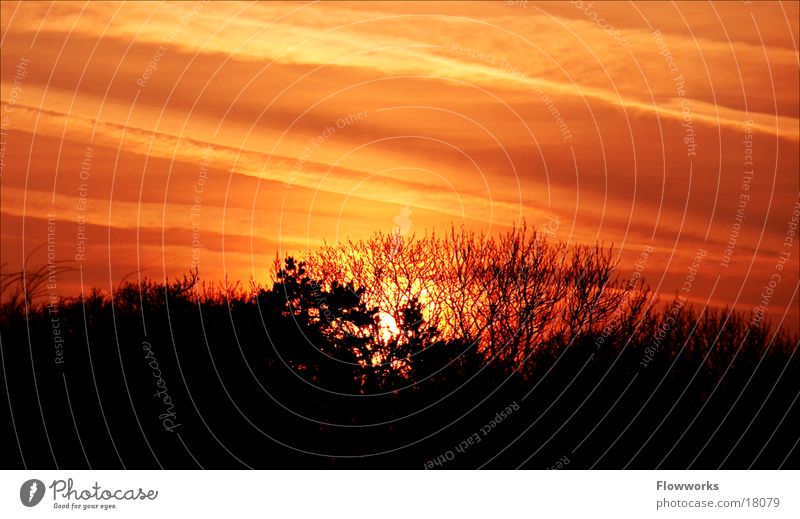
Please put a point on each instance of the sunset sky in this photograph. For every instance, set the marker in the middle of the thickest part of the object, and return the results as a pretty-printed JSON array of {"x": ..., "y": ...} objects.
[{"x": 158, "y": 134}]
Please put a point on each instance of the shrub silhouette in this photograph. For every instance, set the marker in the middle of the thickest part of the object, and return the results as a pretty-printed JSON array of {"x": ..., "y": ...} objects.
[
  {"x": 392, "y": 352},
  {"x": 511, "y": 294}
]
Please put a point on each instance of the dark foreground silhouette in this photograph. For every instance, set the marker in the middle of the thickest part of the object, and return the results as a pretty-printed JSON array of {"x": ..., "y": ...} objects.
[{"x": 504, "y": 353}]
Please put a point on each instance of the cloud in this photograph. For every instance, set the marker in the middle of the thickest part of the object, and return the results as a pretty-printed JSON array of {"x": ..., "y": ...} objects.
[{"x": 480, "y": 113}]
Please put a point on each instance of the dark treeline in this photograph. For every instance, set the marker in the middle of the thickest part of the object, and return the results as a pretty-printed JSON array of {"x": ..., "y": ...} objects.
[{"x": 441, "y": 352}]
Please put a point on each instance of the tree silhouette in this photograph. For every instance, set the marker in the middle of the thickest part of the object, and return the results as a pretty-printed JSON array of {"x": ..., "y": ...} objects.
[{"x": 306, "y": 373}]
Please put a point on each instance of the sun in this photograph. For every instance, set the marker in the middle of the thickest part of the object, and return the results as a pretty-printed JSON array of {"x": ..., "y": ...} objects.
[{"x": 387, "y": 325}]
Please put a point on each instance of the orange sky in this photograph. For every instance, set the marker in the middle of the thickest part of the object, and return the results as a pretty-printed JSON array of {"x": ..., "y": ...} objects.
[{"x": 251, "y": 127}]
